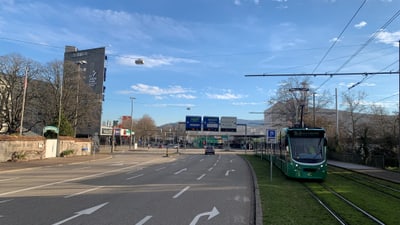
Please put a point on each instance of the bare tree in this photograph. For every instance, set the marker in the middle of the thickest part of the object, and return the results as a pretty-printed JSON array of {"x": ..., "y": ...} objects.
[
  {"x": 294, "y": 97},
  {"x": 13, "y": 69},
  {"x": 355, "y": 107},
  {"x": 145, "y": 128}
]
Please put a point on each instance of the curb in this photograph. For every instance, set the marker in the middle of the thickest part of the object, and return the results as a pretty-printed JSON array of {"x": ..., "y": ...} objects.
[{"x": 257, "y": 208}]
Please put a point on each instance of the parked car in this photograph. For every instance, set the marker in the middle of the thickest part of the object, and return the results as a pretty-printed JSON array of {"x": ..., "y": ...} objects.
[{"x": 209, "y": 150}]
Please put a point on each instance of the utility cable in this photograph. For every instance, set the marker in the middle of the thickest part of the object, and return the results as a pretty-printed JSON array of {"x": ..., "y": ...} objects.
[
  {"x": 340, "y": 35},
  {"x": 369, "y": 40},
  {"x": 334, "y": 43}
]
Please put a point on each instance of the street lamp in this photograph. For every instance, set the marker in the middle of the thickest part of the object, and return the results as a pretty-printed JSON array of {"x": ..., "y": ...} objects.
[
  {"x": 130, "y": 139},
  {"x": 139, "y": 61},
  {"x": 79, "y": 63}
]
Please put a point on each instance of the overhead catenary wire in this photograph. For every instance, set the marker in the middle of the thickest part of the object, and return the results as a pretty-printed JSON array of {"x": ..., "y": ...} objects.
[
  {"x": 340, "y": 35},
  {"x": 369, "y": 77},
  {"x": 369, "y": 40},
  {"x": 363, "y": 46},
  {"x": 336, "y": 40}
]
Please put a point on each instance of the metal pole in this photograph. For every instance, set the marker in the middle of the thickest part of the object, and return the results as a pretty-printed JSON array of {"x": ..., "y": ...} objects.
[
  {"x": 247, "y": 139},
  {"x": 23, "y": 101},
  {"x": 337, "y": 114},
  {"x": 59, "y": 118},
  {"x": 130, "y": 138},
  {"x": 313, "y": 108},
  {"x": 398, "y": 146},
  {"x": 77, "y": 100}
]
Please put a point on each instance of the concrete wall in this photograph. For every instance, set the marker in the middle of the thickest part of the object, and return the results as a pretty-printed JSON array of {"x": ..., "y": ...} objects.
[{"x": 32, "y": 148}]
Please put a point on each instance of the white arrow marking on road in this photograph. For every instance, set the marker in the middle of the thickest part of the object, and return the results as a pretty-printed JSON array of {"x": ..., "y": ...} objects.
[
  {"x": 214, "y": 212},
  {"x": 83, "y": 212},
  {"x": 180, "y": 171},
  {"x": 144, "y": 220},
  {"x": 228, "y": 171}
]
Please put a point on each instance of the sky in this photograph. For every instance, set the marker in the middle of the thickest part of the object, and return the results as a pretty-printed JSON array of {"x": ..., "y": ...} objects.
[{"x": 196, "y": 53}]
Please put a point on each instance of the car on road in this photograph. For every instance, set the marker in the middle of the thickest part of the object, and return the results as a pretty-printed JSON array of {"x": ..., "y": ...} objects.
[{"x": 209, "y": 150}]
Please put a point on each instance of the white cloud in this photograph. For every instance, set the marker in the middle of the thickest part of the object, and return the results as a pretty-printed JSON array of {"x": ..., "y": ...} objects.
[
  {"x": 248, "y": 103},
  {"x": 360, "y": 25},
  {"x": 175, "y": 91},
  {"x": 187, "y": 106},
  {"x": 335, "y": 39},
  {"x": 151, "y": 61},
  {"x": 228, "y": 95},
  {"x": 388, "y": 37},
  {"x": 239, "y": 2},
  {"x": 184, "y": 96}
]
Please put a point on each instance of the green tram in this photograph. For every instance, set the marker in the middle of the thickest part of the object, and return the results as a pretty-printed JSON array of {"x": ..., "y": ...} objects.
[{"x": 302, "y": 153}]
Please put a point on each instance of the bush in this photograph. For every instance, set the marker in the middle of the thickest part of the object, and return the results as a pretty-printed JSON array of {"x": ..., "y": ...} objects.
[
  {"x": 67, "y": 152},
  {"x": 15, "y": 156}
]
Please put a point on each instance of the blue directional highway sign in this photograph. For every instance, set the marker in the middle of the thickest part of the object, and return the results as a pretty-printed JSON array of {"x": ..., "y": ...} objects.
[
  {"x": 193, "y": 123},
  {"x": 210, "y": 123}
]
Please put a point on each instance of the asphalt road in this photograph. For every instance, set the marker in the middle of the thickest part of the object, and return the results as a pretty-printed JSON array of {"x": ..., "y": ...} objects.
[{"x": 131, "y": 188}]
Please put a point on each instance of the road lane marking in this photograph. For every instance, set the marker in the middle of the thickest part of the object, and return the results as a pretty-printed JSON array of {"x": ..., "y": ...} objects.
[
  {"x": 201, "y": 177},
  {"x": 160, "y": 168},
  {"x": 86, "y": 167},
  {"x": 82, "y": 212},
  {"x": 181, "y": 192},
  {"x": 7, "y": 200},
  {"x": 130, "y": 178},
  {"x": 134, "y": 171},
  {"x": 201, "y": 160},
  {"x": 144, "y": 220},
  {"x": 83, "y": 192},
  {"x": 211, "y": 168},
  {"x": 180, "y": 171},
  {"x": 72, "y": 179},
  {"x": 121, "y": 163},
  {"x": 8, "y": 179}
]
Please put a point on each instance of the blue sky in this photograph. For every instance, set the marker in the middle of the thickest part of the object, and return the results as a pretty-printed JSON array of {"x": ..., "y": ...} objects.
[{"x": 196, "y": 52}]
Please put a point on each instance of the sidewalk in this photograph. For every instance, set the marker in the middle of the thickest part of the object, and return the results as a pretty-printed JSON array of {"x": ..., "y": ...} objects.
[
  {"x": 21, "y": 165},
  {"x": 371, "y": 171}
]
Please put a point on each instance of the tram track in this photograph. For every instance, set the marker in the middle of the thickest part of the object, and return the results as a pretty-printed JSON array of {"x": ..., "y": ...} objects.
[
  {"x": 326, "y": 206},
  {"x": 334, "y": 211},
  {"x": 344, "y": 197},
  {"x": 382, "y": 186}
]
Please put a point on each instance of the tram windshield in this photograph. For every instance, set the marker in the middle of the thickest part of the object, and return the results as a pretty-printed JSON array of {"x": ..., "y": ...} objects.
[{"x": 308, "y": 150}]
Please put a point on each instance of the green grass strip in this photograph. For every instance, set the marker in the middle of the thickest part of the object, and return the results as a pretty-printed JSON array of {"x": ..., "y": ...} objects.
[{"x": 286, "y": 201}]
